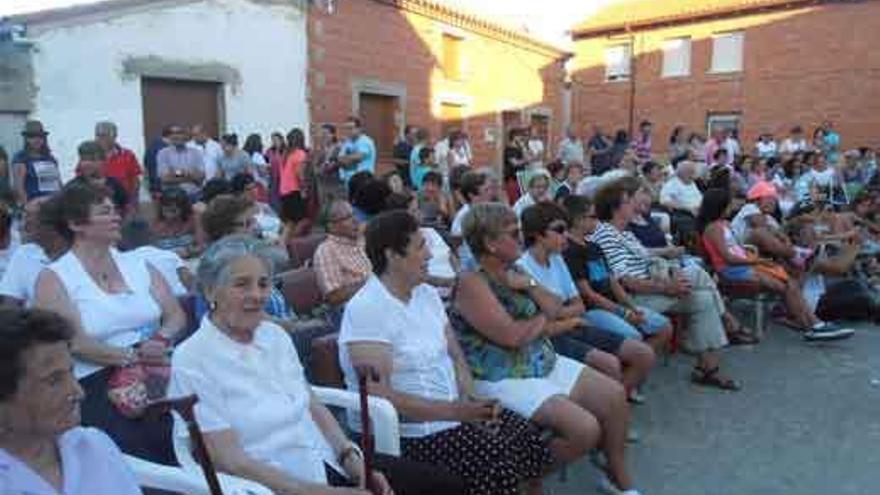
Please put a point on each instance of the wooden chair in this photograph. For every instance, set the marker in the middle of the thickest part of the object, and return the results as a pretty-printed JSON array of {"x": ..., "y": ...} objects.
[{"x": 301, "y": 249}]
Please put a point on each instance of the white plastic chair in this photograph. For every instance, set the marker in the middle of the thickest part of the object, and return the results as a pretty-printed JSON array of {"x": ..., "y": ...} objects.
[{"x": 188, "y": 478}]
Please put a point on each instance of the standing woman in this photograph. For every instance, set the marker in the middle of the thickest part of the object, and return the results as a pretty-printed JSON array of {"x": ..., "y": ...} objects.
[
  {"x": 459, "y": 151},
  {"x": 275, "y": 156},
  {"x": 253, "y": 146},
  {"x": 122, "y": 311},
  {"x": 293, "y": 202},
  {"x": 325, "y": 156},
  {"x": 35, "y": 170},
  {"x": 678, "y": 146}
]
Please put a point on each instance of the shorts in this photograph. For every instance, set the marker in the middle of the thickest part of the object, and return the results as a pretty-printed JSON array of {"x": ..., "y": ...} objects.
[
  {"x": 525, "y": 395},
  {"x": 606, "y": 320},
  {"x": 586, "y": 338},
  {"x": 738, "y": 273}
]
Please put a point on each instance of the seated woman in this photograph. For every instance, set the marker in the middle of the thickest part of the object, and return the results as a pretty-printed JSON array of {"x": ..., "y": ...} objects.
[
  {"x": 228, "y": 215},
  {"x": 259, "y": 417},
  {"x": 174, "y": 227},
  {"x": 434, "y": 204},
  {"x": 597, "y": 331},
  {"x": 211, "y": 190},
  {"x": 504, "y": 335},
  {"x": 397, "y": 325},
  {"x": 43, "y": 449},
  {"x": 733, "y": 262},
  {"x": 268, "y": 224},
  {"x": 600, "y": 289},
  {"x": 121, "y": 309}
]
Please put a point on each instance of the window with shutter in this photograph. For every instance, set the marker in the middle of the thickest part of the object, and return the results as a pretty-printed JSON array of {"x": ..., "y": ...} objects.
[
  {"x": 452, "y": 56},
  {"x": 677, "y": 57},
  {"x": 727, "y": 52},
  {"x": 617, "y": 62}
]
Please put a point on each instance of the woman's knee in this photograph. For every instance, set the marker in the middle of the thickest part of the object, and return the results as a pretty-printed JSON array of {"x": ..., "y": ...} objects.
[
  {"x": 572, "y": 423},
  {"x": 605, "y": 363},
  {"x": 637, "y": 353}
]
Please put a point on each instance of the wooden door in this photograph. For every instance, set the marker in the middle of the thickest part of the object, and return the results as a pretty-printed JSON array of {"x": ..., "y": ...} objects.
[{"x": 173, "y": 101}]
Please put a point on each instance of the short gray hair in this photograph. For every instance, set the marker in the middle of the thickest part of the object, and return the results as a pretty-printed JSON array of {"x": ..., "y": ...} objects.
[
  {"x": 216, "y": 261},
  {"x": 485, "y": 222},
  {"x": 106, "y": 127}
]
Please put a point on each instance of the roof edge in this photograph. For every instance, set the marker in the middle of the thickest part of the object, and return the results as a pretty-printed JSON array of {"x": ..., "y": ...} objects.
[{"x": 689, "y": 18}]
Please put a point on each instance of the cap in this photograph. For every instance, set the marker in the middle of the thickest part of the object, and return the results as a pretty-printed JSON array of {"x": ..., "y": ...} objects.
[
  {"x": 761, "y": 190},
  {"x": 33, "y": 128}
]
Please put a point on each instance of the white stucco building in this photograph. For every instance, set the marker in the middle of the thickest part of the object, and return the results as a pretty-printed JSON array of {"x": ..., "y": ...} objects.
[{"x": 234, "y": 65}]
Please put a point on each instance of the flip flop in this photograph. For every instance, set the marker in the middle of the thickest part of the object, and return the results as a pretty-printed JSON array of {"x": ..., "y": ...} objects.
[{"x": 711, "y": 378}]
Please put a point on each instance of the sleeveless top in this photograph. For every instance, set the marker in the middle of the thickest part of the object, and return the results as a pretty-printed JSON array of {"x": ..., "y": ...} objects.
[
  {"x": 119, "y": 319},
  {"x": 42, "y": 176},
  {"x": 730, "y": 244},
  {"x": 492, "y": 362}
]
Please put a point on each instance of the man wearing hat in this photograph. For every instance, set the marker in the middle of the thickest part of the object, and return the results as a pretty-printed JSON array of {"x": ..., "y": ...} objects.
[
  {"x": 91, "y": 168},
  {"x": 755, "y": 224},
  {"x": 35, "y": 170},
  {"x": 120, "y": 163}
]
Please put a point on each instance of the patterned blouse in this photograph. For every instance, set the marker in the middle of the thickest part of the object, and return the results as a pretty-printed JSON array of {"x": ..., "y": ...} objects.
[{"x": 492, "y": 362}]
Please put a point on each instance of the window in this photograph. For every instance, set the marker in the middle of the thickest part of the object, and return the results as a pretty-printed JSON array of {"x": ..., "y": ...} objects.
[
  {"x": 617, "y": 62},
  {"x": 452, "y": 56},
  {"x": 677, "y": 57},
  {"x": 727, "y": 52},
  {"x": 721, "y": 122}
]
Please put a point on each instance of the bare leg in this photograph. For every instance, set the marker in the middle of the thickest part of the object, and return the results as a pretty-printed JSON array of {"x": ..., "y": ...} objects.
[
  {"x": 637, "y": 359},
  {"x": 575, "y": 429},
  {"x": 605, "y": 363}
]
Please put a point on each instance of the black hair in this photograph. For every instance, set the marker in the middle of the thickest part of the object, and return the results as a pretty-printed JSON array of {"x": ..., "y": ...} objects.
[
  {"x": 608, "y": 199},
  {"x": 231, "y": 139},
  {"x": 389, "y": 230},
  {"x": 357, "y": 181},
  {"x": 20, "y": 330},
  {"x": 355, "y": 120},
  {"x": 220, "y": 215},
  {"x": 433, "y": 177},
  {"x": 470, "y": 184},
  {"x": 296, "y": 140},
  {"x": 175, "y": 196},
  {"x": 649, "y": 167},
  {"x": 398, "y": 201},
  {"x": 715, "y": 203},
  {"x": 719, "y": 178},
  {"x": 253, "y": 144},
  {"x": 537, "y": 218},
  {"x": 425, "y": 154},
  {"x": 214, "y": 188},
  {"x": 718, "y": 153},
  {"x": 676, "y": 132},
  {"x": 77, "y": 198},
  {"x": 370, "y": 197},
  {"x": 576, "y": 206},
  {"x": 241, "y": 181},
  {"x": 644, "y": 123},
  {"x": 621, "y": 137}
]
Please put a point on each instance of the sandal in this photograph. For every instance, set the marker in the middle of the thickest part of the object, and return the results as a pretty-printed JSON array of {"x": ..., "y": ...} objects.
[
  {"x": 738, "y": 335},
  {"x": 712, "y": 378}
]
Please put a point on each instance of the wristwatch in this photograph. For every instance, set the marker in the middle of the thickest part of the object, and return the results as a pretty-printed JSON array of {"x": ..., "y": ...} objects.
[{"x": 532, "y": 283}]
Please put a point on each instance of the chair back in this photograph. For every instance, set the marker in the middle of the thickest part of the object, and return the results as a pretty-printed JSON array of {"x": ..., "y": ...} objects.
[
  {"x": 301, "y": 290},
  {"x": 324, "y": 368},
  {"x": 301, "y": 249}
]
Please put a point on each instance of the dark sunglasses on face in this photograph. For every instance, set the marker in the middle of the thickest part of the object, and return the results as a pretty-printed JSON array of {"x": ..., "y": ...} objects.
[{"x": 558, "y": 228}]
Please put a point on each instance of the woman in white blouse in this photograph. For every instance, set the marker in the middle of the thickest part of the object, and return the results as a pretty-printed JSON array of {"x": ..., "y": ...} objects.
[
  {"x": 42, "y": 447},
  {"x": 259, "y": 417},
  {"x": 121, "y": 308},
  {"x": 397, "y": 324}
]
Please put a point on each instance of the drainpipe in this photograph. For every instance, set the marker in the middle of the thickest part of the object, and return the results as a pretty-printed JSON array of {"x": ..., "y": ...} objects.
[{"x": 632, "y": 83}]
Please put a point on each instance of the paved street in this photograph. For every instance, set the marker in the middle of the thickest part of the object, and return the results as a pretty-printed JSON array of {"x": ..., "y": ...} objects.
[{"x": 807, "y": 422}]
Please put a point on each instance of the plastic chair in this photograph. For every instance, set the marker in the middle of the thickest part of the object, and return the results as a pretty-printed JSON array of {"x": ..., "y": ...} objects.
[
  {"x": 190, "y": 482},
  {"x": 301, "y": 249},
  {"x": 301, "y": 290}
]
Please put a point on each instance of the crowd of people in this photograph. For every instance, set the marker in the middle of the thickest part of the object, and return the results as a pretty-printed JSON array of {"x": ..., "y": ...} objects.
[{"x": 511, "y": 319}]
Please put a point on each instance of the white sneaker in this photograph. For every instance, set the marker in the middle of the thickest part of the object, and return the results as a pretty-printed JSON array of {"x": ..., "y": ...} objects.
[{"x": 607, "y": 487}]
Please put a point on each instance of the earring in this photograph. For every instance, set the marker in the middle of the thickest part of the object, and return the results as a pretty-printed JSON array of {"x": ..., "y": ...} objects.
[{"x": 212, "y": 306}]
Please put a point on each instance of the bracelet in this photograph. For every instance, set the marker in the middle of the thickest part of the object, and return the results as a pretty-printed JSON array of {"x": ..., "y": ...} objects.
[{"x": 351, "y": 449}]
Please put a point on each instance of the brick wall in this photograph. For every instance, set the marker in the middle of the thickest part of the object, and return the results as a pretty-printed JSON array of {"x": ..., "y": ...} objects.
[
  {"x": 371, "y": 43},
  {"x": 799, "y": 67}
]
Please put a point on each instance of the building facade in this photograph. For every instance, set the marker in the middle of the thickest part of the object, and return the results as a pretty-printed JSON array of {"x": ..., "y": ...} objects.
[
  {"x": 232, "y": 65},
  {"x": 760, "y": 65},
  {"x": 418, "y": 62}
]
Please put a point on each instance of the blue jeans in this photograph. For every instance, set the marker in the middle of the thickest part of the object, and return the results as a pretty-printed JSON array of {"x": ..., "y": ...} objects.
[{"x": 606, "y": 320}]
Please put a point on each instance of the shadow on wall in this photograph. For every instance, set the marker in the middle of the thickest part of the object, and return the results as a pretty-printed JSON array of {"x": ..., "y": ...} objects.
[
  {"x": 392, "y": 68},
  {"x": 799, "y": 67}
]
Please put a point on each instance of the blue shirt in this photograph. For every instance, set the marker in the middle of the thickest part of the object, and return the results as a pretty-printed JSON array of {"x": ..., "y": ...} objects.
[
  {"x": 42, "y": 176},
  {"x": 417, "y": 169},
  {"x": 832, "y": 147},
  {"x": 363, "y": 144},
  {"x": 554, "y": 277}
]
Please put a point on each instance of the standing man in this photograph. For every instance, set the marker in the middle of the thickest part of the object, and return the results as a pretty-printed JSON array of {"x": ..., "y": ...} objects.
[
  {"x": 180, "y": 165},
  {"x": 832, "y": 143},
  {"x": 402, "y": 151},
  {"x": 153, "y": 181},
  {"x": 358, "y": 152},
  {"x": 211, "y": 150},
  {"x": 642, "y": 143},
  {"x": 119, "y": 163},
  {"x": 599, "y": 149},
  {"x": 571, "y": 150}
]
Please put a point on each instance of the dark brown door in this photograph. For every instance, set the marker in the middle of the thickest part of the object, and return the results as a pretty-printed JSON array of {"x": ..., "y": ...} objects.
[
  {"x": 173, "y": 101},
  {"x": 377, "y": 112}
]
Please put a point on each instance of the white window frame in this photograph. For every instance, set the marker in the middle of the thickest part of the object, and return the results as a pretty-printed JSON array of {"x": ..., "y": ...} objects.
[
  {"x": 618, "y": 70},
  {"x": 676, "y": 57},
  {"x": 727, "y": 52},
  {"x": 731, "y": 120}
]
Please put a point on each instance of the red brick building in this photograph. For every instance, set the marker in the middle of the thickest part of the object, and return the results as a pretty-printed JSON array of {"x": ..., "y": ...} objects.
[
  {"x": 764, "y": 65},
  {"x": 419, "y": 62}
]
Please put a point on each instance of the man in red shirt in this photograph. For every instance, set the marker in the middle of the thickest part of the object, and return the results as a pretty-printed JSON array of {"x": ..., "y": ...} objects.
[{"x": 120, "y": 163}]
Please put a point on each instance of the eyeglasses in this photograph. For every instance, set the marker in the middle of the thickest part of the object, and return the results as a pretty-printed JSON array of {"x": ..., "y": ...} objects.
[
  {"x": 559, "y": 228},
  {"x": 341, "y": 219}
]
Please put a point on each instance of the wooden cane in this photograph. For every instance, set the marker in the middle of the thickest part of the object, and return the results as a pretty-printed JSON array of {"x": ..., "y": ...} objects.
[
  {"x": 184, "y": 406},
  {"x": 367, "y": 445}
]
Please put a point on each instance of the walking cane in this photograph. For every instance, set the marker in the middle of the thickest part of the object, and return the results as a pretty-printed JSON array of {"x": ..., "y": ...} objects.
[
  {"x": 367, "y": 441},
  {"x": 184, "y": 407}
]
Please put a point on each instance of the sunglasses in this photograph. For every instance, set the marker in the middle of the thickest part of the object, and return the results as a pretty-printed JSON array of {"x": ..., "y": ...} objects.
[{"x": 560, "y": 228}]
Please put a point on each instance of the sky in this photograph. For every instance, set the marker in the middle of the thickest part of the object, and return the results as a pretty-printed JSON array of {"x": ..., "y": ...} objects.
[{"x": 548, "y": 19}]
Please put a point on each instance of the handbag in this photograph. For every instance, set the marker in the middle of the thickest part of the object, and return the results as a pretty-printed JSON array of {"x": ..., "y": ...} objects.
[
  {"x": 772, "y": 270},
  {"x": 132, "y": 388}
]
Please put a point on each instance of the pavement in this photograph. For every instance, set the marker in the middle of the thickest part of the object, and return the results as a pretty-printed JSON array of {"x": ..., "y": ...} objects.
[{"x": 807, "y": 422}]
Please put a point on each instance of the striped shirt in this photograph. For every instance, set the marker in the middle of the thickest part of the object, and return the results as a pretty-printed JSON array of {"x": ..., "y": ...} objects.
[
  {"x": 341, "y": 262},
  {"x": 625, "y": 254}
]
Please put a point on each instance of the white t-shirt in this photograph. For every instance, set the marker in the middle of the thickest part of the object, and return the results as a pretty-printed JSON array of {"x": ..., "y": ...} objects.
[
  {"x": 733, "y": 149},
  {"x": 740, "y": 224},
  {"x": 440, "y": 264},
  {"x": 790, "y": 145},
  {"x": 687, "y": 196},
  {"x": 211, "y": 154},
  {"x": 20, "y": 279},
  {"x": 765, "y": 149},
  {"x": 166, "y": 262},
  {"x": 536, "y": 147},
  {"x": 465, "y": 255},
  {"x": 90, "y": 462},
  {"x": 416, "y": 332},
  {"x": 259, "y": 391}
]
